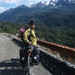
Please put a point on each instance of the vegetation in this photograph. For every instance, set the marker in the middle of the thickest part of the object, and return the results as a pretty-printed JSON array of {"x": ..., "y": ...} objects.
[
  {"x": 9, "y": 27},
  {"x": 63, "y": 36}
]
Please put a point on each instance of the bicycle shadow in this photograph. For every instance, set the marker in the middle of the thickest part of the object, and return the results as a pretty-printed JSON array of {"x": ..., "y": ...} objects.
[
  {"x": 12, "y": 67},
  {"x": 17, "y": 42}
]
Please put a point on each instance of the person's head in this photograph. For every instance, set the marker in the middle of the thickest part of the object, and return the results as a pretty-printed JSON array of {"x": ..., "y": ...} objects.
[{"x": 32, "y": 24}]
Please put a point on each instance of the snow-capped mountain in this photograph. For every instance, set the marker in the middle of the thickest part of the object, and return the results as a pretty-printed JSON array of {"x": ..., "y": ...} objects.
[
  {"x": 40, "y": 4},
  {"x": 52, "y": 3},
  {"x": 73, "y": 1},
  {"x": 56, "y": 1},
  {"x": 61, "y": 3}
]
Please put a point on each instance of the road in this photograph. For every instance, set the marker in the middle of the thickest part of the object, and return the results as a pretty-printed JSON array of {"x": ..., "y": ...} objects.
[{"x": 9, "y": 58}]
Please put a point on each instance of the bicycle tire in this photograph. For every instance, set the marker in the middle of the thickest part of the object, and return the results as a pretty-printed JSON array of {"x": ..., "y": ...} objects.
[{"x": 29, "y": 67}]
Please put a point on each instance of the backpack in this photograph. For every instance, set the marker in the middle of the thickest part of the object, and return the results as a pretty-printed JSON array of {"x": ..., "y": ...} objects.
[{"x": 22, "y": 30}]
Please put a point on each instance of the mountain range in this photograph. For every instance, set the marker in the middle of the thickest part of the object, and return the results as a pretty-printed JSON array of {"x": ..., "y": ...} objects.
[{"x": 52, "y": 13}]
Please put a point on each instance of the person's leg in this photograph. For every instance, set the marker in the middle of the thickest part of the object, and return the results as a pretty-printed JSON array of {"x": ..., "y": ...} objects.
[
  {"x": 37, "y": 55},
  {"x": 36, "y": 48},
  {"x": 30, "y": 47},
  {"x": 23, "y": 53},
  {"x": 26, "y": 54}
]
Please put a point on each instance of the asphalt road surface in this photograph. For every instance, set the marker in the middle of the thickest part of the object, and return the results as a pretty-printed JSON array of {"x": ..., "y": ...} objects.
[{"x": 9, "y": 58}]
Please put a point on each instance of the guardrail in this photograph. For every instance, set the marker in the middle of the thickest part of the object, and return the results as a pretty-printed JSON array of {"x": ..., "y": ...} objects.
[{"x": 59, "y": 48}]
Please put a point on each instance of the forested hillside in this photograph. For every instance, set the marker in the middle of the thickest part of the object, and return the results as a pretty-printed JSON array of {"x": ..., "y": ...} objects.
[
  {"x": 59, "y": 35},
  {"x": 53, "y": 18},
  {"x": 49, "y": 17}
]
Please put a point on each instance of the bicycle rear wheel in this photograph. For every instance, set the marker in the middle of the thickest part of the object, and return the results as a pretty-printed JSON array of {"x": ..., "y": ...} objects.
[{"x": 29, "y": 67}]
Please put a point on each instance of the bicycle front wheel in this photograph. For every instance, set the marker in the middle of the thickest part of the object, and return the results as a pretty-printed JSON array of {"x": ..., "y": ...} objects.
[{"x": 29, "y": 67}]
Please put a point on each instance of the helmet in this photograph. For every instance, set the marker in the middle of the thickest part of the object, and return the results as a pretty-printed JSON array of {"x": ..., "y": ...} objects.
[{"x": 31, "y": 22}]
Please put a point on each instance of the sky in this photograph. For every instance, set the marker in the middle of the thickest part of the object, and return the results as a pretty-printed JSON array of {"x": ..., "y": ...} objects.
[{"x": 7, "y": 4}]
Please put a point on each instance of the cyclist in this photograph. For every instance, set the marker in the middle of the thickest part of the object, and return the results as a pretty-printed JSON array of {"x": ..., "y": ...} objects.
[{"x": 29, "y": 38}]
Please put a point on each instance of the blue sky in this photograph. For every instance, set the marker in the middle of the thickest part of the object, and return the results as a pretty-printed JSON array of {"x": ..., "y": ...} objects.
[{"x": 7, "y": 4}]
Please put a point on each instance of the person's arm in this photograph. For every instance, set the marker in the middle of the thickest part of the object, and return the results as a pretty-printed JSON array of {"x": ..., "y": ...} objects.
[
  {"x": 25, "y": 36},
  {"x": 34, "y": 39}
]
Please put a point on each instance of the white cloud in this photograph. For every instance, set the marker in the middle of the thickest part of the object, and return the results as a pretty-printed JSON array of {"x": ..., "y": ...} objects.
[
  {"x": 32, "y": 0},
  {"x": 2, "y": 9},
  {"x": 14, "y": 1},
  {"x": 36, "y": 0},
  {"x": 30, "y": 3},
  {"x": 9, "y": 1}
]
